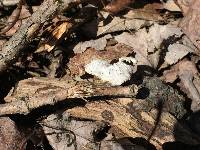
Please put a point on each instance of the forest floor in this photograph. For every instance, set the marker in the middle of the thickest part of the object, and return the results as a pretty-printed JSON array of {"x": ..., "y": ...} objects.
[{"x": 99, "y": 74}]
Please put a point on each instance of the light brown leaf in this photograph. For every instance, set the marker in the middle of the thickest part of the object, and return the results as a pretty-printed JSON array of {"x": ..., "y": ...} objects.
[
  {"x": 98, "y": 44},
  {"x": 185, "y": 5},
  {"x": 126, "y": 22},
  {"x": 77, "y": 63},
  {"x": 190, "y": 23},
  {"x": 144, "y": 42},
  {"x": 175, "y": 53},
  {"x": 171, "y": 6},
  {"x": 23, "y": 15},
  {"x": 49, "y": 44},
  {"x": 116, "y": 6}
]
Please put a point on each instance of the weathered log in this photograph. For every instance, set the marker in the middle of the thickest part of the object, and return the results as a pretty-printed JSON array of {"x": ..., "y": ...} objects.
[
  {"x": 36, "y": 92},
  {"x": 158, "y": 128},
  {"x": 33, "y": 93}
]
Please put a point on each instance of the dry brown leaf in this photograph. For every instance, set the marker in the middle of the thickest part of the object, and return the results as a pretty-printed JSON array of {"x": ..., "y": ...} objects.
[
  {"x": 148, "y": 12},
  {"x": 190, "y": 23},
  {"x": 98, "y": 44},
  {"x": 116, "y": 6},
  {"x": 171, "y": 75},
  {"x": 127, "y": 22},
  {"x": 186, "y": 74},
  {"x": 132, "y": 20},
  {"x": 14, "y": 28},
  {"x": 64, "y": 133},
  {"x": 77, "y": 63},
  {"x": 144, "y": 42},
  {"x": 171, "y": 6},
  {"x": 49, "y": 44},
  {"x": 25, "y": 13},
  {"x": 185, "y": 5},
  {"x": 143, "y": 14},
  {"x": 10, "y": 137},
  {"x": 138, "y": 43},
  {"x": 138, "y": 124},
  {"x": 175, "y": 53}
]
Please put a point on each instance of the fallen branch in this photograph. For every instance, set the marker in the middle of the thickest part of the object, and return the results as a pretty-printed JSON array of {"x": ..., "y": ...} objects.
[
  {"x": 29, "y": 29},
  {"x": 36, "y": 92},
  {"x": 33, "y": 93}
]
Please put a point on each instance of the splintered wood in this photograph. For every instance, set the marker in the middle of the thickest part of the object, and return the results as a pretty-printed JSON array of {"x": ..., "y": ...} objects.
[
  {"x": 137, "y": 124},
  {"x": 33, "y": 93}
]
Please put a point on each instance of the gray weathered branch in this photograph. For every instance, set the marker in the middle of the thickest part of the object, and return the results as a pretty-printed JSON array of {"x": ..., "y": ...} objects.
[{"x": 47, "y": 10}]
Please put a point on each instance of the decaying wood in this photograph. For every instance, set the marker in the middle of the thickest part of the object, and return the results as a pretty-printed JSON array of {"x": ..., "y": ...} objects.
[
  {"x": 33, "y": 93},
  {"x": 36, "y": 92},
  {"x": 137, "y": 123},
  {"x": 47, "y": 10},
  {"x": 160, "y": 93}
]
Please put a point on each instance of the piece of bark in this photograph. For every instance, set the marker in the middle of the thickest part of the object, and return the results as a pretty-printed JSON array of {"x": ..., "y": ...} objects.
[
  {"x": 137, "y": 123},
  {"x": 160, "y": 93},
  {"x": 10, "y": 136},
  {"x": 33, "y": 93},
  {"x": 47, "y": 10}
]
